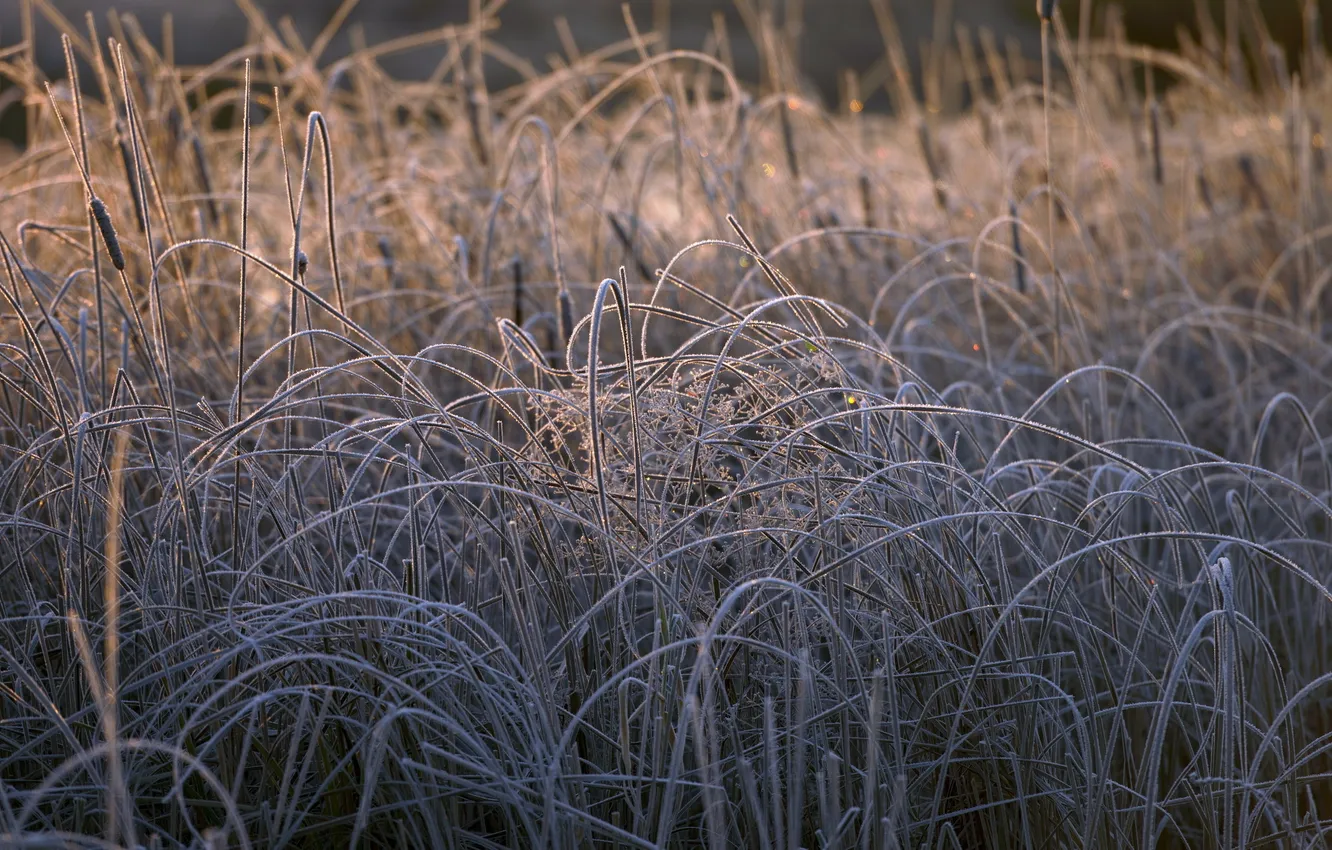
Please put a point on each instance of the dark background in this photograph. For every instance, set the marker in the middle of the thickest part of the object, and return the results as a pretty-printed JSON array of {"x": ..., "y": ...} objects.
[{"x": 837, "y": 33}]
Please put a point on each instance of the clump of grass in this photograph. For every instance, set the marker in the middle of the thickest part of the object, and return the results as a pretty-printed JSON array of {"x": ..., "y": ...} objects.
[{"x": 814, "y": 534}]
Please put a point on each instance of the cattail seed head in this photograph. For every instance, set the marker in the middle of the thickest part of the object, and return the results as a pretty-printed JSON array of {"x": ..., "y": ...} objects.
[
  {"x": 1319, "y": 144},
  {"x": 932, "y": 163},
  {"x": 127, "y": 160},
  {"x": 1205, "y": 188},
  {"x": 866, "y": 201},
  {"x": 1019, "y": 261},
  {"x": 1246, "y": 168},
  {"x": 103, "y": 219},
  {"x": 518, "y": 291},
  {"x": 1046, "y": 9},
  {"x": 1158, "y": 159},
  {"x": 1253, "y": 186},
  {"x": 390, "y": 266},
  {"x": 205, "y": 181},
  {"x": 566, "y": 316},
  {"x": 788, "y": 142}
]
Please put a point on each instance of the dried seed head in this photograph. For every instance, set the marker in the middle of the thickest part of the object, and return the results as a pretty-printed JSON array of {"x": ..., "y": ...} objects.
[
  {"x": 103, "y": 219},
  {"x": 302, "y": 263},
  {"x": 1046, "y": 9}
]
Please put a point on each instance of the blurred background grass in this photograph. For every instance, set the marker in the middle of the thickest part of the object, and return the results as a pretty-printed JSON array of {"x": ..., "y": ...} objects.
[{"x": 835, "y": 34}]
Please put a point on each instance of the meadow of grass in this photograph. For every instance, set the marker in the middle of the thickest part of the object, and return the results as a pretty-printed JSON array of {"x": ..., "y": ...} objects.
[{"x": 638, "y": 457}]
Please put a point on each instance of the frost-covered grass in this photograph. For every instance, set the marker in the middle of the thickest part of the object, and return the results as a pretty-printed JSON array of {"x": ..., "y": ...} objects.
[{"x": 637, "y": 458}]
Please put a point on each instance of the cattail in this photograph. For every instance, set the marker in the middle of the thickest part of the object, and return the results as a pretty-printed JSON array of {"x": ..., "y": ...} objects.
[
  {"x": 205, "y": 182},
  {"x": 566, "y": 316},
  {"x": 627, "y": 241},
  {"x": 1158, "y": 162},
  {"x": 472, "y": 104},
  {"x": 1319, "y": 144},
  {"x": 1019, "y": 262},
  {"x": 788, "y": 140},
  {"x": 1313, "y": 39},
  {"x": 1205, "y": 188},
  {"x": 1253, "y": 187},
  {"x": 932, "y": 163},
  {"x": 108, "y": 229},
  {"x": 824, "y": 222},
  {"x": 866, "y": 201},
  {"x": 173, "y": 127},
  {"x": 462, "y": 257},
  {"x": 1276, "y": 57},
  {"x": 127, "y": 160},
  {"x": 987, "y": 118},
  {"x": 518, "y": 291},
  {"x": 1046, "y": 9}
]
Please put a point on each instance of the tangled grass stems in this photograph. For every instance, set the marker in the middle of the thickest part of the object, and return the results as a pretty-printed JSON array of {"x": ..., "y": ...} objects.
[{"x": 843, "y": 535}]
